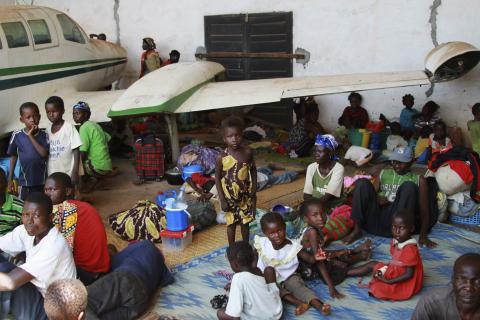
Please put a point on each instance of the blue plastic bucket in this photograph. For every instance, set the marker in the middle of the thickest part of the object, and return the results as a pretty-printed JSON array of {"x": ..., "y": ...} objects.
[
  {"x": 189, "y": 170},
  {"x": 177, "y": 219}
]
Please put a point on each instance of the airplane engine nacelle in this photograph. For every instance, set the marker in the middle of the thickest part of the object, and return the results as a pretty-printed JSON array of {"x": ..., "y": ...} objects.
[{"x": 451, "y": 60}]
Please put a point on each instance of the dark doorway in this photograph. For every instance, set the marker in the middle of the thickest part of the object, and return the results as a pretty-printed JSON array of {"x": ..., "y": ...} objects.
[{"x": 254, "y": 33}]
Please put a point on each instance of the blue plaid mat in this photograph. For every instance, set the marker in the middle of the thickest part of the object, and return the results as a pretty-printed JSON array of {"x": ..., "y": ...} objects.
[{"x": 196, "y": 282}]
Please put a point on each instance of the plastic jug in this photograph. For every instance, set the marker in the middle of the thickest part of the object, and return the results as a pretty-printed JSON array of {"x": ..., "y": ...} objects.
[{"x": 177, "y": 217}]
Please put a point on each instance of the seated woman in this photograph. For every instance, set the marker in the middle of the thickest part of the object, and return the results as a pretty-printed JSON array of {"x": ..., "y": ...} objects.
[
  {"x": 427, "y": 118},
  {"x": 94, "y": 149},
  {"x": 302, "y": 136},
  {"x": 324, "y": 178},
  {"x": 354, "y": 116},
  {"x": 81, "y": 226},
  {"x": 48, "y": 258}
]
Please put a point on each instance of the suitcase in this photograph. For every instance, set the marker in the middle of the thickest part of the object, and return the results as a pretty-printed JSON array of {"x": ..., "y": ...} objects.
[{"x": 149, "y": 158}]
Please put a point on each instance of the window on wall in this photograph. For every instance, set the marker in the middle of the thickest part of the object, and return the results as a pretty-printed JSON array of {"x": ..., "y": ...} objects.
[
  {"x": 41, "y": 34},
  {"x": 16, "y": 34},
  {"x": 71, "y": 31}
]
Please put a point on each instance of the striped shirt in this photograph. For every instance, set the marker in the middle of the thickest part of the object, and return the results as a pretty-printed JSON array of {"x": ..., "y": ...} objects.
[{"x": 10, "y": 214}]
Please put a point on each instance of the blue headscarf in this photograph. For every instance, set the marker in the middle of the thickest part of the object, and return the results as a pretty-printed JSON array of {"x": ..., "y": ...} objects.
[
  {"x": 327, "y": 141},
  {"x": 82, "y": 106}
]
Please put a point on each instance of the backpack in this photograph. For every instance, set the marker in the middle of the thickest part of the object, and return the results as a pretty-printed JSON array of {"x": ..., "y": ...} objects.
[
  {"x": 202, "y": 214},
  {"x": 142, "y": 222}
]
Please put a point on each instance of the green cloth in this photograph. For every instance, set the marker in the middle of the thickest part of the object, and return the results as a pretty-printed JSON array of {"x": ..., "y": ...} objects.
[
  {"x": 474, "y": 129},
  {"x": 320, "y": 189},
  {"x": 10, "y": 214},
  {"x": 390, "y": 181},
  {"x": 95, "y": 144}
]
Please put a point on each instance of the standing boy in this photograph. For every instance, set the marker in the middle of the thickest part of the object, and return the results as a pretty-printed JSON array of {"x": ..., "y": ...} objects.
[
  {"x": 64, "y": 141},
  {"x": 30, "y": 146}
]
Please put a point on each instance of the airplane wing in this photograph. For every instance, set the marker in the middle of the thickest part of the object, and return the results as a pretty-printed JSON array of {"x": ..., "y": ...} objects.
[
  {"x": 240, "y": 93},
  {"x": 188, "y": 87}
]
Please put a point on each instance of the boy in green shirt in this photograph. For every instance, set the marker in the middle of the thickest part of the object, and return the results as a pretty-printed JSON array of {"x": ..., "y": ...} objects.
[
  {"x": 395, "y": 188},
  {"x": 94, "y": 149},
  {"x": 474, "y": 128}
]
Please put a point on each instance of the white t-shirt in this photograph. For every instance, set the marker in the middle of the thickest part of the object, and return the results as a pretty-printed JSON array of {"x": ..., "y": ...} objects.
[
  {"x": 252, "y": 298},
  {"x": 49, "y": 260},
  {"x": 284, "y": 261},
  {"x": 335, "y": 185},
  {"x": 62, "y": 144}
]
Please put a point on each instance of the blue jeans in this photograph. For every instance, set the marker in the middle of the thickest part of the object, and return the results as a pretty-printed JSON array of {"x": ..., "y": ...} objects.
[
  {"x": 286, "y": 177},
  {"x": 25, "y": 302}
]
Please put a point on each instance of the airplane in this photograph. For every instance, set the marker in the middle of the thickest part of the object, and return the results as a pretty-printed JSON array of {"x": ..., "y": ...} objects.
[{"x": 46, "y": 53}]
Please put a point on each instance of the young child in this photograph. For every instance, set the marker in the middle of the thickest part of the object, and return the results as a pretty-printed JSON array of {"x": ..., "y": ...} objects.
[
  {"x": 276, "y": 251},
  {"x": 30, "y": 146},
  {"x": 408, "y": 113},
  {"x": 236, "y": 180},
  {"x": 48, "y": 258},
  {"x": 438, "y": 141},
  {"x": 402, "y": 278},
  {"x": 64, "y": 139},
  {"x": 333, "y": 265},
  {"x": 66, "y": 299},
  {"x": 252, "y": 295}
]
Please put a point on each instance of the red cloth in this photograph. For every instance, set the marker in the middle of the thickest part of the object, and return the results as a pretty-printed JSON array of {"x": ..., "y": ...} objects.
[
  {"x": 357, "y": 118},
  {"x": 90, "y": 246},
  {"x": 409, "y": 256},
  {"x": 200, "y": 180},
  {"x": 462, "y": 169}
]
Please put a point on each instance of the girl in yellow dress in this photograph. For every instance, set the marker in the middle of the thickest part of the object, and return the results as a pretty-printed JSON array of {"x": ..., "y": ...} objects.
[{"x": 236, "y": 180}]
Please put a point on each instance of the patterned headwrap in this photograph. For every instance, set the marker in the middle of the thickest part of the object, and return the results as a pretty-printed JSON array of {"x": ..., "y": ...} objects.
[
  {"x": 327, "y": 141},
  {"x": 82, "y": 106}
]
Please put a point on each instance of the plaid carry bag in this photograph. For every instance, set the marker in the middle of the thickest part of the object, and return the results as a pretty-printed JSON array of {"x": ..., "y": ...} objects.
[
  {"x": 149, "y": 158},
  {"x": 142, "y": 222}
]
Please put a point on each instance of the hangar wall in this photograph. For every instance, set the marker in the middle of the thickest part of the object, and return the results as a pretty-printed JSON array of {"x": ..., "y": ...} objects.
[{"x": 343, "y": 36}]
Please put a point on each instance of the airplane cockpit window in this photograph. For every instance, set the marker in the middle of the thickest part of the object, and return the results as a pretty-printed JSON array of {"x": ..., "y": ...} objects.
[
  {"x": 40, "y": 32},
  {"x": 71, "y": 32},
  {"x": 16, "y": 34}
]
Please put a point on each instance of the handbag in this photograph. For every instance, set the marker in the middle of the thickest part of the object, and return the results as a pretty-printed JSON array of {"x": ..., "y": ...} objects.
[{"x": 142, "y": 222}]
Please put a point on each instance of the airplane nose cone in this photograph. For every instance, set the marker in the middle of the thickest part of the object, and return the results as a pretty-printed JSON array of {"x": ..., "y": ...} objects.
[{"x": 451, "y": 60}]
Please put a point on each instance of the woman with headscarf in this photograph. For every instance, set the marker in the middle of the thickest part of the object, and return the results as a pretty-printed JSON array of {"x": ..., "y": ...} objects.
[
  {"x": 324, "y": 178},
  {"x": 302, "y": 136},
  {"x": 150, "y": 60},
  {"x": 94, "y": 149}
]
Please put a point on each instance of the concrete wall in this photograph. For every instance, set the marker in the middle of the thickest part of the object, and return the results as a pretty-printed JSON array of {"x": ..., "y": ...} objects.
[{"x": 343, "y": 36}]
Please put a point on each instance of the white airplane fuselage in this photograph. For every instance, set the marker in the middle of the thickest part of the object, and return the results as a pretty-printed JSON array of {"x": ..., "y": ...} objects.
[{"x": 36, "y": 64}]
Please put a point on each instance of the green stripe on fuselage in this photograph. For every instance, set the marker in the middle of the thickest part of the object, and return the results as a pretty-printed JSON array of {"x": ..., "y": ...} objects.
[
  {"x": 27, "y": 80},
  {"x": 43, "y": 67}
]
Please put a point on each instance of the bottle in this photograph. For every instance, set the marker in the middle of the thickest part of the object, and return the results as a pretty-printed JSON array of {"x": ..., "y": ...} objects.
[
  {"x": 181, "y": 201},
  {"x": 160, "y": 199}
]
